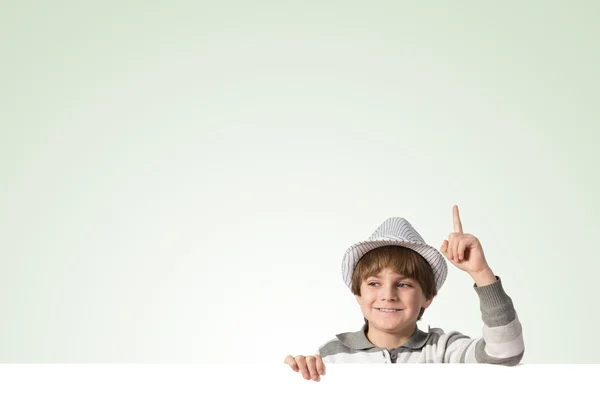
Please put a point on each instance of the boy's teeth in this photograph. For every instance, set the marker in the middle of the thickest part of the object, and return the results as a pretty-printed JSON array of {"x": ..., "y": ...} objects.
[{"x": 386, "y": 310}]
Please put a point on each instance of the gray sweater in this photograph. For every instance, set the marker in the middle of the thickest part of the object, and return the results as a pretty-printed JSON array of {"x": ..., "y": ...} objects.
[{"x": 501, "y": 342}]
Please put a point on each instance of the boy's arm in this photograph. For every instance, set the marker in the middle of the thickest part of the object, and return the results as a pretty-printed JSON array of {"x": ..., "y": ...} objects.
[{"x": 502, "y": 341}]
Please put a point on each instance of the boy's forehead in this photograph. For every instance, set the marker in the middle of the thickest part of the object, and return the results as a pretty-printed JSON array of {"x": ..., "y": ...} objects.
[{"x": 395, "y": 274}]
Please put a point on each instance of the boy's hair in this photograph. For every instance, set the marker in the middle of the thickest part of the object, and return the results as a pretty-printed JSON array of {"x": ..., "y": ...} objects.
[{"x": 402, "y": 261}]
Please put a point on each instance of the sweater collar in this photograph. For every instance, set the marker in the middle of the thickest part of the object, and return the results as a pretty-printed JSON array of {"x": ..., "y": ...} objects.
[{"x": 358, "y": 340}]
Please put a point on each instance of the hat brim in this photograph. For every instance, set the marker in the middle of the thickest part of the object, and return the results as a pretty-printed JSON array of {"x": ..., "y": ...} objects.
[{"x": 429, "y": 253}]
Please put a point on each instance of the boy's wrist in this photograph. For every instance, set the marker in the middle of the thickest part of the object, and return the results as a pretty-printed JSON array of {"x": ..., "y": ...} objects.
[{"x": 484, "y": 277}]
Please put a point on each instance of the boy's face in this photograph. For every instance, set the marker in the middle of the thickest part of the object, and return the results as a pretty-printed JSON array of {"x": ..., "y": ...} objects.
[{"x": 388, "y": 290}]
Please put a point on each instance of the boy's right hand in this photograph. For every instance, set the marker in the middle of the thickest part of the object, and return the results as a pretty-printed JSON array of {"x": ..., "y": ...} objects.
[{"x": 311, "y": 367}]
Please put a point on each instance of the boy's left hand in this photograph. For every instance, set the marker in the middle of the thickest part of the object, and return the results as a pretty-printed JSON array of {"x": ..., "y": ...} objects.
[{"x": 464, "y": 250}]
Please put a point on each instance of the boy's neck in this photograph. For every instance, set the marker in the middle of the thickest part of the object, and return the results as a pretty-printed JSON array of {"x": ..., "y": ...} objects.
[{"x": 388, "y": 340}]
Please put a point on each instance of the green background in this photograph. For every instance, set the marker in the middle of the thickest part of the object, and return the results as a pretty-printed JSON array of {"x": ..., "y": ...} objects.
[{"x": 179, "y": 180}]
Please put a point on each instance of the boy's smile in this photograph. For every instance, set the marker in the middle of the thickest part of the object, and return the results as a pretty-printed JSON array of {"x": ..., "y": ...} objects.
[
  {"x": 388, "y": 310},
  {"x": 391, "y": 303}
]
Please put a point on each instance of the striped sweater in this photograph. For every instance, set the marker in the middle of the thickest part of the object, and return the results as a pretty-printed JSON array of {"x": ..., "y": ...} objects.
[{"x": 501, "y": 343}]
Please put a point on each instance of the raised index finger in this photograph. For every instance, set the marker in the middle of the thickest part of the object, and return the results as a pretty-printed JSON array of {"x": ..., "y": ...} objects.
[{"x": 457, "y": 223}]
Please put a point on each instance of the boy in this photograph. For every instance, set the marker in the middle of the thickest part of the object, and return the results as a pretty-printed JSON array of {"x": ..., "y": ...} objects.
[{"x": 394, "y": 276}]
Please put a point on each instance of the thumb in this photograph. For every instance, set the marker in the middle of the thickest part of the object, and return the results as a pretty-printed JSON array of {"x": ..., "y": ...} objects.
[{"x": 444, "y": 248}]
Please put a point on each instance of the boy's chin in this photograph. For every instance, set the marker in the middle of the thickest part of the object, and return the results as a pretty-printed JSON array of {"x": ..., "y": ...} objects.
[{"x": 393, "y": 327}]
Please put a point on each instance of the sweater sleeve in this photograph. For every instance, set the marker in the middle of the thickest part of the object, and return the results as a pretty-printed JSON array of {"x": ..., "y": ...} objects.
[{"x": 502, "y": 339}]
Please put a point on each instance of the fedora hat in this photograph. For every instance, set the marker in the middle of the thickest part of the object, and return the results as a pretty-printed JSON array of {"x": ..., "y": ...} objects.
[{"x": 395, "y": 231}]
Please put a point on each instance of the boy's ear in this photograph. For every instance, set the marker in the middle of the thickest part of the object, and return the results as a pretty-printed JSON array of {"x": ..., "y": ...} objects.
[{"x": 427, "y": 303}]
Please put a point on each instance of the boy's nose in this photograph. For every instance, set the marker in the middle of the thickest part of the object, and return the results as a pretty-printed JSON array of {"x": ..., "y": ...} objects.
[{"x": 389, "y": 294}]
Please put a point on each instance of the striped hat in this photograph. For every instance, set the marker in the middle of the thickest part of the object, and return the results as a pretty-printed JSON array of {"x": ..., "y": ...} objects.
[{"x": 395, "y": 231}]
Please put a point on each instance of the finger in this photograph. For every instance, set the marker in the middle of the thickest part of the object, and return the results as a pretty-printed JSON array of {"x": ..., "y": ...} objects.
[
  {"x": 291, "y": 362},
  {"x": 451, "y": 245},
  {"x": 455, "y": 242},
  {"x": 444, "y": 248},
  {"x": 311, "y": 363},
  {"x": 320, "y": 365},
  {"x": 457, "y": 223},
  {"x": 301, "y": 361},
  {"x": 462, "y": 245}
]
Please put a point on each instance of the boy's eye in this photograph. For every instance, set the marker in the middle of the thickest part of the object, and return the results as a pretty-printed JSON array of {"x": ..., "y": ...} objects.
[{"x": 400, "y": 285}]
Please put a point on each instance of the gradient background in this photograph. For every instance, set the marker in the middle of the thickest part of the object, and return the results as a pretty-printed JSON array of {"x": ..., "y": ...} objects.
[{"x": 180, "y": 180}]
